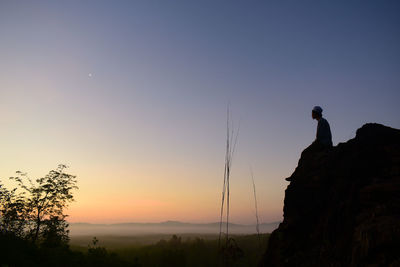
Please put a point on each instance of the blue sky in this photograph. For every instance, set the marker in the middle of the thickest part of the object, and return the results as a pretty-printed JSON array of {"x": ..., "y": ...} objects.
[{"x": 133, "y": 94}]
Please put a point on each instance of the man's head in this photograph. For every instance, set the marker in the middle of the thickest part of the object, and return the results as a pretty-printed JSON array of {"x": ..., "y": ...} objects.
[{"x": 316, "y": 112}]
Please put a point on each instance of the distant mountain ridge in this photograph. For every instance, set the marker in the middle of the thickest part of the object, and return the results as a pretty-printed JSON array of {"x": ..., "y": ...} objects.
[
  {"x": 172, "y": 223},
  {"x": 166, "y": 227}
]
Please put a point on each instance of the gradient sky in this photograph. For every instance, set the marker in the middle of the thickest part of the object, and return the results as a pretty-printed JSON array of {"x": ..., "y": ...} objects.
[{"x": 132, "y": 95}]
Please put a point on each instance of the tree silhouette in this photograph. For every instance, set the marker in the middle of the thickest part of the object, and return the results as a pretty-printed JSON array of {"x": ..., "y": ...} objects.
[{"x": 35, "y": 210}]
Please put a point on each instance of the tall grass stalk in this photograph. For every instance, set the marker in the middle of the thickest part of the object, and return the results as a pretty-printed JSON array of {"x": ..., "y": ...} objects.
[
  {"x": 231, "y": 141},
  {"x": 256, "y": 207}
]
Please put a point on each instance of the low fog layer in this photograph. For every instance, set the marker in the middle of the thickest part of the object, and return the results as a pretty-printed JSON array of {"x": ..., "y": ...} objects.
[{"x": 169, "y": 227}]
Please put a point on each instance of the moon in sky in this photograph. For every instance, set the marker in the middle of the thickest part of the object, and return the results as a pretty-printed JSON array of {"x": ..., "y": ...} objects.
[{"x": 90, "y": 75}]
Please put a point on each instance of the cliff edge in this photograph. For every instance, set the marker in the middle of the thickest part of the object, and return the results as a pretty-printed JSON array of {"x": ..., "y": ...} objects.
[{"x": 342, "y": 206}]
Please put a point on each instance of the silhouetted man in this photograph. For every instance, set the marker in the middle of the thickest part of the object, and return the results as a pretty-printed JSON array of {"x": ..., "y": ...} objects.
[
  {"x": 324, "y": 136},
  {"x": 323, "y": 140}
]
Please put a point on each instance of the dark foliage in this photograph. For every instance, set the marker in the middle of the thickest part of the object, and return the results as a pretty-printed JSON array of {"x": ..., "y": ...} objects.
[
  {"x": 16, "y": 251},
  {"x": 245, "y": 251}
]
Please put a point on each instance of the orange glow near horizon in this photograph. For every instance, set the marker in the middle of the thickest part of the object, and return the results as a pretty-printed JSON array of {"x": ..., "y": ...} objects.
[{"x": 140, "y": 193}]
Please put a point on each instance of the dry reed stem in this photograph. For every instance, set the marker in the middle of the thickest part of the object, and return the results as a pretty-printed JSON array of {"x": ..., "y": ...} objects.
[
  {"x": 231, "y": 141},
  {"x": 255, "y": 205}
]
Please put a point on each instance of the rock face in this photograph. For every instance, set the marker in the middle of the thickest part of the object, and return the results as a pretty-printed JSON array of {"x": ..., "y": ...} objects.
[{"x": 342, "y": 206}]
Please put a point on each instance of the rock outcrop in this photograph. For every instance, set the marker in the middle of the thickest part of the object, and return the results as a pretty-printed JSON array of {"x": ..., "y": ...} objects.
[{"x": 342, "y": 206}]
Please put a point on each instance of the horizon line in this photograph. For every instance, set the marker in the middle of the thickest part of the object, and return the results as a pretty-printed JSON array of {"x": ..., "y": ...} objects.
[{"x": 169, "y": 221}]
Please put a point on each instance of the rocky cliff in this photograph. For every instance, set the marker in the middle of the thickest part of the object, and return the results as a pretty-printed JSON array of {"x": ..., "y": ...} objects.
[{"x": 342, "y": 206}]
